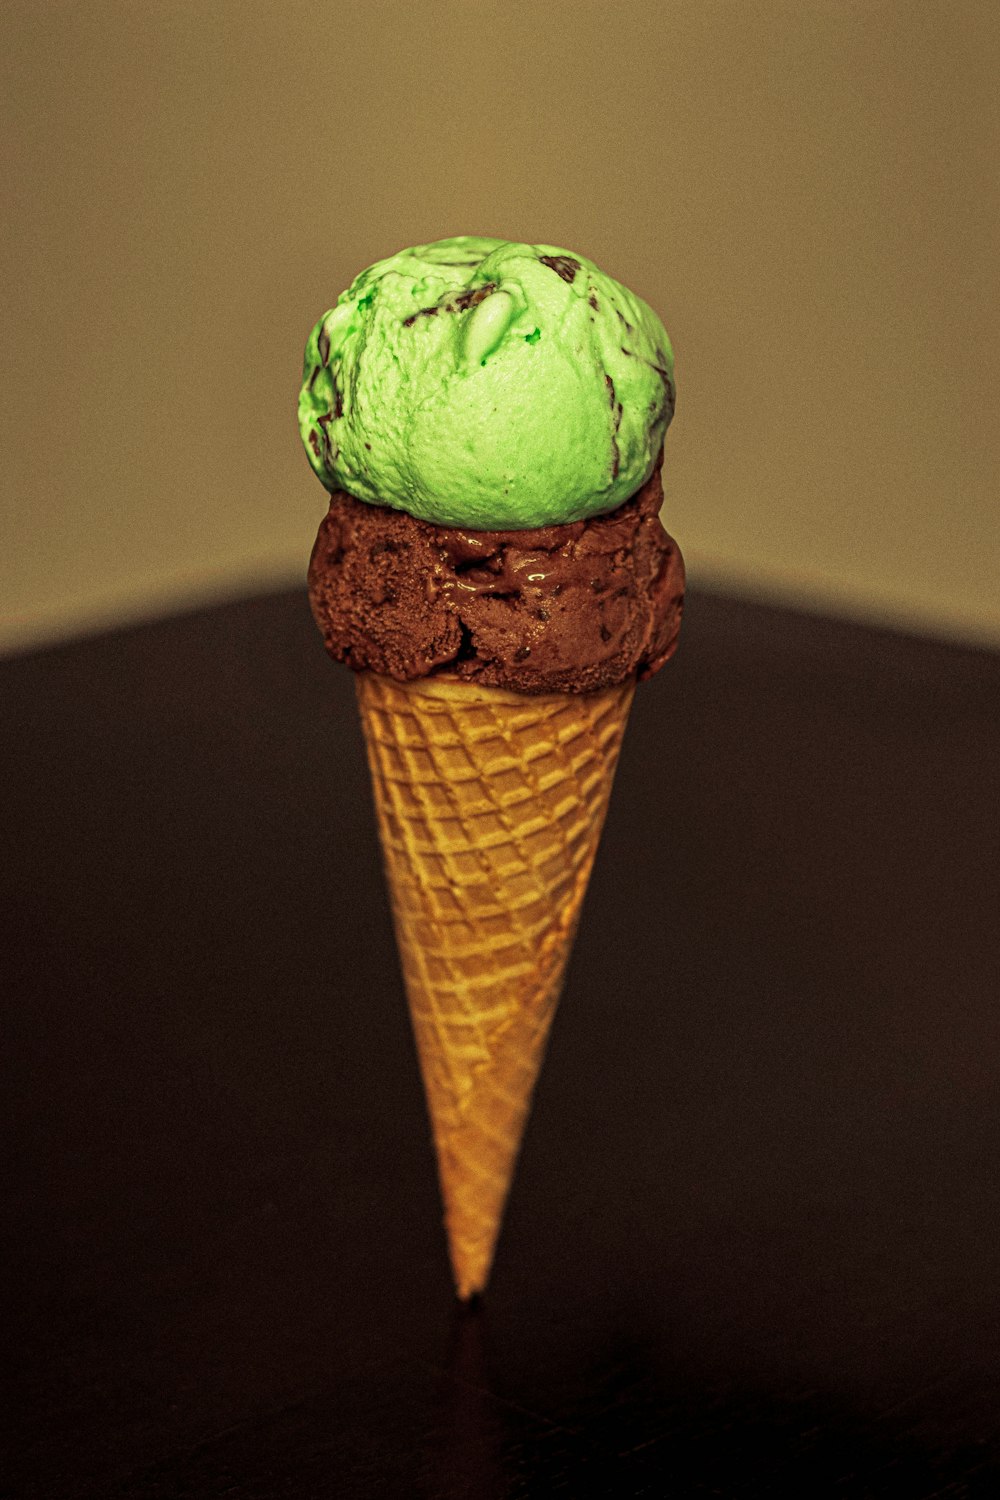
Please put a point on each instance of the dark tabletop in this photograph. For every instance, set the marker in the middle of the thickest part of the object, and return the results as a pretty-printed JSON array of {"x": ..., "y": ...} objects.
[{"x": 753, "y": 1245}]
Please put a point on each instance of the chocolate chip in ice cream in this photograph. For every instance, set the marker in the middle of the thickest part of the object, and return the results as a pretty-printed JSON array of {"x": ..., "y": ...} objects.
[{"x": 563, "y": 265}]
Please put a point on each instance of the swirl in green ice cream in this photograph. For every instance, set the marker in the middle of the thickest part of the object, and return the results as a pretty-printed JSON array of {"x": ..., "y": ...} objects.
[{"x": 484, "y": 384}]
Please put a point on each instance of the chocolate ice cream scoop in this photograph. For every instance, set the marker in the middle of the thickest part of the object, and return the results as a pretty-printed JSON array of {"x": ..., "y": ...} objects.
[{"x": 552, "y": 609}]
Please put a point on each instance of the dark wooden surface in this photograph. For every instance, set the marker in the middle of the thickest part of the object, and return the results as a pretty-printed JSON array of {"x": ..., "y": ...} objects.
[{"x": 753, "y": 1247}]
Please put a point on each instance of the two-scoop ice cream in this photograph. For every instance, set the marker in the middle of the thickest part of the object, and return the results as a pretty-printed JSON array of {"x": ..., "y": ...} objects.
[{"x": 490, "y": 419}]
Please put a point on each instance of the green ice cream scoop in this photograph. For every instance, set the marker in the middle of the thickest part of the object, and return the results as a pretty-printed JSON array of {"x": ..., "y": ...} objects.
[{"x": 487, "y": 385}]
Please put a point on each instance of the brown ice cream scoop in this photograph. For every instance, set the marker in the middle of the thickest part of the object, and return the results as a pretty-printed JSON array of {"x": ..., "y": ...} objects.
[{"x": 553, "y": 609}]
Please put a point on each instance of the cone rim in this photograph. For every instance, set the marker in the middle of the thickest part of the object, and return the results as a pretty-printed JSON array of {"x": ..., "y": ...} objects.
[{"x": 443, "y": 685}]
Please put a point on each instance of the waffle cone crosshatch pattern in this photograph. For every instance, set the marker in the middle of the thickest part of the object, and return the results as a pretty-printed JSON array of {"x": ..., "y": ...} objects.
[{"x": 490, "y": 808}]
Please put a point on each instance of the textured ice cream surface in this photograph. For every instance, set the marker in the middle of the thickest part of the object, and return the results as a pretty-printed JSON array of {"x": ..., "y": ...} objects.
[
  {"x": 570, "y": 608},
  {"x": 487, "y": 384}
]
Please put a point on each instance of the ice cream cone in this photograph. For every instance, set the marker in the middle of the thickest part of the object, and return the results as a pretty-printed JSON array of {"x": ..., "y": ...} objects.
[{"x": 490, "y": 806}]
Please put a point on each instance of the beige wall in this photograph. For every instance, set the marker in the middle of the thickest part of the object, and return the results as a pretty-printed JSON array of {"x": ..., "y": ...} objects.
[{"x": 805, "y": 189}]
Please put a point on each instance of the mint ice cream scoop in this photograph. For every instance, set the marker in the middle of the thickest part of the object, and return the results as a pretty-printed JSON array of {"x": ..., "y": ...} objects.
[{"x": 485, "y": 384}]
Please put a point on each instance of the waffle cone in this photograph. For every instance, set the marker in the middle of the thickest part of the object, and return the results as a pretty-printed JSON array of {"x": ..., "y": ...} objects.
[{"x": 490, "y": 806}]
